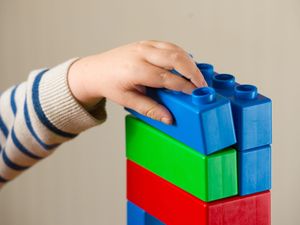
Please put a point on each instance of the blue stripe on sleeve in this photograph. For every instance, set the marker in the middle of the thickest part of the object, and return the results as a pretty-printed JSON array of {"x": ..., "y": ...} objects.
[
  {"x": 11, "y": 164},
  {"x": 13, "y": 100},
  {"x": 3, "y": 127},
  {"x": 39, "y": 111},
  {"x": 33, "y": 133},
  {"x": 22, "y": 149},
  {"x": 0, "y": 142}
]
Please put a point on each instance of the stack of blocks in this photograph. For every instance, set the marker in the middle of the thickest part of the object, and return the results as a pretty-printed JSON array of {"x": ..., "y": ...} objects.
[{"x": 212, "y": 166}]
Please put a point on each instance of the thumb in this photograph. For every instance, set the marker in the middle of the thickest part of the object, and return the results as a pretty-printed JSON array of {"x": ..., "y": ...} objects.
[{"x": 148, "y": 107}]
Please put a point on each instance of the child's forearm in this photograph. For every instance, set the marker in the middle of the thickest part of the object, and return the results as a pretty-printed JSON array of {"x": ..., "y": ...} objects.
[{"x": 37, "y": 116}]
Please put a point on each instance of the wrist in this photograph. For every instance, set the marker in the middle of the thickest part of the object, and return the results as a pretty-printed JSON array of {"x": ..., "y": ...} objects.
[{"x": 79, "y": 84}]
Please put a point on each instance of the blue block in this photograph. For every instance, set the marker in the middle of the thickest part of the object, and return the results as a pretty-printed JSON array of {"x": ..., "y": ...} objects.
[
  {"x": 252, "y": 112},
  {"x": 202, "y": 120},
  {"x": 254, "y": 170},
  {"x": 224, "y": 84},
  {"x": 151, "y": 220},
  {"x": 207, "y": 71},
  {"x": 137, "y": 216}
]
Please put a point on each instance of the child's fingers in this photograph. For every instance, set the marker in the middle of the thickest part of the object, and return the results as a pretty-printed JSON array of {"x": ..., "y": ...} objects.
[
  {"x": 156, "y": 77},
  {"x": 148, "y": 107},
  {"x": 177, "y": 60}
]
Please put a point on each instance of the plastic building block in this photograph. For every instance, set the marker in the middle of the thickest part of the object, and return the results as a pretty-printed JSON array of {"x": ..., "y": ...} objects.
[
  {"x": 135, "y": 215},
  {"x": 138, "y": 216},
  {"x": 224, "y": 84},
  {"x": 254, "y": 169},
  {"x": 252, "y": 112},
  {"x": 173, "y": 206},
  {"x": 207, "y": 71},
  {"x": 203, "y": 120},
  {"x": 206, "y": 177},
  {"x": 151, "y": 220}
]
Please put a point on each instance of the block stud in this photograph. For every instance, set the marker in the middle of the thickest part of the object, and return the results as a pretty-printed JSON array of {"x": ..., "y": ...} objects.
[
  {"x": 203, "y": 95},
  {"x": 207, "y": 70},
  {"x": 223, "y": 81},
  {"x": 245, "y": 92}
]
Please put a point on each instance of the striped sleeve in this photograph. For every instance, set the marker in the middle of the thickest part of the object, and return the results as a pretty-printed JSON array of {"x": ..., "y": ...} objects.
[{"x": 37, "y": 116}]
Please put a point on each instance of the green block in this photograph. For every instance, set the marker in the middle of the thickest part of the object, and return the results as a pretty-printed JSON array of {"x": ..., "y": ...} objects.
[{"x": 206, "y": 177}]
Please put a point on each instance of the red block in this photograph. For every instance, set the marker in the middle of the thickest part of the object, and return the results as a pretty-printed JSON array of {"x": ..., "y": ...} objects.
[{"x": 173, "y": 206}]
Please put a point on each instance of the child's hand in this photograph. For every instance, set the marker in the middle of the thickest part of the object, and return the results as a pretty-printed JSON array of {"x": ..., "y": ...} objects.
[{"x": 122, "y": 73}]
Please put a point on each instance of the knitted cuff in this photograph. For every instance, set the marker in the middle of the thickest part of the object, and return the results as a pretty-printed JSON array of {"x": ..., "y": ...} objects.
[{"x": 59, "y": 105}]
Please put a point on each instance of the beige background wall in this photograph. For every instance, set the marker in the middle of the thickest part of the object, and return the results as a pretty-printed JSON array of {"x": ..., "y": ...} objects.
[{"x": 84, "y": 181}]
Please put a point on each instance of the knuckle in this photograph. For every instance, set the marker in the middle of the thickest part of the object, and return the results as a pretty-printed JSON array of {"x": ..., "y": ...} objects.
[
  {"x": 151, "y": 111},
  {"x": 164, "y": 77},
  {"x": 167, "y": 45},
  {"x": 143, "y": 42},
  {"x": 176, "y": 56},
  {"x": 172, "y": 45},
  {"x": 141, "y": 45}
]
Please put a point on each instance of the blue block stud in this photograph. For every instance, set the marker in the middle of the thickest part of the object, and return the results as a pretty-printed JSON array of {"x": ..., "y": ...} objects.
[
  {"x": 254, "y": 170},
  {"x": 224, "y": 84},
  {"x": 202, "y": 120},
  {"x": 207, "y": 71},
  {"x": 137, "y": 216},
  {"x": 252, "y": 112}
]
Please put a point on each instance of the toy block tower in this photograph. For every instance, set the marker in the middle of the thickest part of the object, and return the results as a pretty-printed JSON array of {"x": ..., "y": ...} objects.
[{"x": 212, "y": 166}]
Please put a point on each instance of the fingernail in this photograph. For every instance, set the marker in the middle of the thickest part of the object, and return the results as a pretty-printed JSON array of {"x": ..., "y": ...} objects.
[{"x": 166, "y": 120}]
